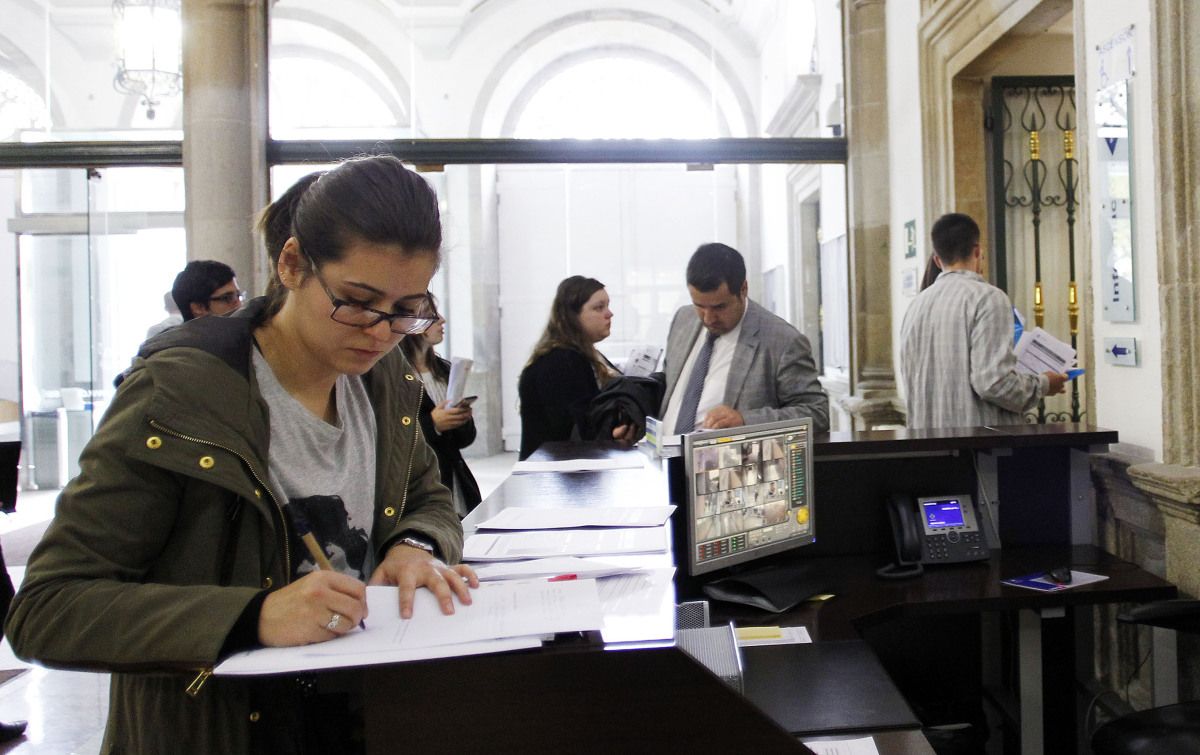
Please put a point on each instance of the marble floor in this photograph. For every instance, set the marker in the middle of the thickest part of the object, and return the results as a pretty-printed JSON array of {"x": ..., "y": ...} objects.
[{"x": 66, "y": 709}]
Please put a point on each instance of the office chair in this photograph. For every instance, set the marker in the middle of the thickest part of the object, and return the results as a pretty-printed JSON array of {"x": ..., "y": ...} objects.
[{"x": 1166, "y": 730}]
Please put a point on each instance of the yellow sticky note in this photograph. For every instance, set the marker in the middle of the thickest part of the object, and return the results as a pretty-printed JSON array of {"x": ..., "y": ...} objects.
[{"x": 759, "y": 633}]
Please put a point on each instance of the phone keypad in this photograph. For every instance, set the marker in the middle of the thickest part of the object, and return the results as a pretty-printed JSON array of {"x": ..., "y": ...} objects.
[{"x": 940, "y": 547}]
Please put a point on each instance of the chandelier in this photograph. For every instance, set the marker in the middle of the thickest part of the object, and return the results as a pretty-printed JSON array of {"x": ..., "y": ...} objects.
[{"x": 149, "y": 50}]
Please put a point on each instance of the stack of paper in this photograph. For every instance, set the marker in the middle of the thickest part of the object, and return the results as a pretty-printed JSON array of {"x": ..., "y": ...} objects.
[
  {"x": 517, "y": 518},
  {"x": 502, "y": 616},
  {"x": 542, "y": 544}
]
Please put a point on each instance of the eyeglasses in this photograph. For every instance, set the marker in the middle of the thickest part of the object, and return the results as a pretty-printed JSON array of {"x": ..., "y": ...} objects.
[
  {"x": 233, "y": 297},
  {"x": 358, "y": 316}
]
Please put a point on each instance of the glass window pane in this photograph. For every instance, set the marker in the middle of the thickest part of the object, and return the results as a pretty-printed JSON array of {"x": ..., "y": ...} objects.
[
  {"x": 90, "y": 71},
  {"x": 657, "y": 69}
]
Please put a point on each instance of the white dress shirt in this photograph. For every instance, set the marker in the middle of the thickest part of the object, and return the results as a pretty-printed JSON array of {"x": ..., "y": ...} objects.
[{"x": 714, "y": 383}]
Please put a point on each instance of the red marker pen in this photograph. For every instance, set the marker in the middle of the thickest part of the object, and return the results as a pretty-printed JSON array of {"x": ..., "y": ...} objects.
[{"x": 563, "y": 578}]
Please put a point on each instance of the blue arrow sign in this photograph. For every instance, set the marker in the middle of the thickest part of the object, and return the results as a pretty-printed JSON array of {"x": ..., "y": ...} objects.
[{"x": 1119, "y": 351}]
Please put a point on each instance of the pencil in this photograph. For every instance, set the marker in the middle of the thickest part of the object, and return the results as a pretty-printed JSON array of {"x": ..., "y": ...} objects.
[{"x": 300, "y": 522}]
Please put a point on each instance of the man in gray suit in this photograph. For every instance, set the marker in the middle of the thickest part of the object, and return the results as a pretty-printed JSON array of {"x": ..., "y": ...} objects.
[{"x": 730, "y": 362}]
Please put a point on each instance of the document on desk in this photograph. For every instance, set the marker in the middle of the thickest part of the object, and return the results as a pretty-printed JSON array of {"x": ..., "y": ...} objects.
[
  {"x": 541, "y": 544},
  {"x": 859, "y": 746},
  {"x": 567, "y": 567},
  {"x": 519, "y": 518},
  {"x": 625, "y": 461},
  {"x": 502, "y": 616},
  {"x": 638, "y": 607},
  {"x": 1042, "y": 582}
]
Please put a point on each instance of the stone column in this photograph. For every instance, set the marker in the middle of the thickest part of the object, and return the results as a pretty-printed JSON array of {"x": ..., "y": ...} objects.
[
  {"x": 872, "y": 380},
  {"x": 1177, "y": 132},
  {"x": 225, "y": 132}
]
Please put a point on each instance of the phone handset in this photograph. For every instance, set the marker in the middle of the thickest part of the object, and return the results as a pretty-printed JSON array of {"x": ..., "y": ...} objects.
[{"x": 901, "y": 514}]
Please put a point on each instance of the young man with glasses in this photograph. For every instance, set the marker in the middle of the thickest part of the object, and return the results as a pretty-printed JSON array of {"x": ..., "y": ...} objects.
[{"x": 206, "y": 287}]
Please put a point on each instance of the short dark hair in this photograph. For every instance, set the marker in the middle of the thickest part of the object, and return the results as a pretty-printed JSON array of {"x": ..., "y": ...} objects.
[
  {"x": 714, "y": 264},
  {"x": 954, "y": 236},
  {"x": 196, "y": 283}
]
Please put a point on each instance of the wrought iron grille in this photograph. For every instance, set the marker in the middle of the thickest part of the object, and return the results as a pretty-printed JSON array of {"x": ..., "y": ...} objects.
[{"x": 1032, "y": 125}]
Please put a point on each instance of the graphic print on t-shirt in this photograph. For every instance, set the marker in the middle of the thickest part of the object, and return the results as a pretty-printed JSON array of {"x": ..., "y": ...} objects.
[{"x": 344, "y": 545}]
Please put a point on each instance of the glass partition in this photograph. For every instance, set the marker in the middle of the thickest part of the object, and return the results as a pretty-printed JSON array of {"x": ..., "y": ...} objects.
[{"x": 93, "y": 253}]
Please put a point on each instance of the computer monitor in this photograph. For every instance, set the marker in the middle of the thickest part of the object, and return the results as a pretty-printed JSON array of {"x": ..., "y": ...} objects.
[{"x": 747, "y": 493}]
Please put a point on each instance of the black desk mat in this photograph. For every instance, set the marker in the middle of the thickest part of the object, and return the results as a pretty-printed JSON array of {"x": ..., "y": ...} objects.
[{"x": 824, "y": 688}]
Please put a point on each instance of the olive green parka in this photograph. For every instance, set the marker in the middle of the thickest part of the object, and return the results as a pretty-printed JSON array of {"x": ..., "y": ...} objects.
[{"x": 171, "y": 529}]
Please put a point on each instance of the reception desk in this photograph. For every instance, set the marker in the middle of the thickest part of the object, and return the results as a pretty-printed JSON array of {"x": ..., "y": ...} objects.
[{"x": 1035, "y": 483}]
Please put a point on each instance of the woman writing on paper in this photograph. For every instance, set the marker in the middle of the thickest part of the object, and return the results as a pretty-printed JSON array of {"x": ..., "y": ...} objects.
[
  {"x": 447, "y": 429},
  {"x": 565, "y": 371},
  {"x": 175, "y": 545}
]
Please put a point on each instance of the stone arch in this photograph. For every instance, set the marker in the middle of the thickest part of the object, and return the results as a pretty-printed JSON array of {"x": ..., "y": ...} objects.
[
  {"x": 486, "y": 105},
  {"x": 565, "y": 62}
]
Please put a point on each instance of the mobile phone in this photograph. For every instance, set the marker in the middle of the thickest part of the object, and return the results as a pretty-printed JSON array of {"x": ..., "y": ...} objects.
[{"x": 465, "y": 402}]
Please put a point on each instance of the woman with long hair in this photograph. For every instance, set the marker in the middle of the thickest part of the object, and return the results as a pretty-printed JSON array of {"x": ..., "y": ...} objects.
[
  {"x": 565, "y": 371},
  {"x": 447, "y": 429},
  {"x": 180, "y": 540}
]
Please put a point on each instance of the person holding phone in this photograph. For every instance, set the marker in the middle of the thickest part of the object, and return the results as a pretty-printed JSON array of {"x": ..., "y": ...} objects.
[
  {"x": 177, "y": 544},
  {"x": 566, "y": 371},
  {"x": 448, "y": 429}
]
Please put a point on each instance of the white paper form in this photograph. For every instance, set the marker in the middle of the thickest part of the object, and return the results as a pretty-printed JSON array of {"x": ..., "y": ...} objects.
[
  {"x": 624, "y": 461},
  {"x": 350, "y": 654},
  {"x": 499, "y": 610},
  {"x": 557, "y": 566},
  {"x": 1039, "y": 352},
  {"x": 642, "y": 361},
  {"x": 638, "y": 607},
  {"x": 518, "y": 545},
  {"x": 519, "y": 518},
  {"x": 456, "y": 384},
  {"x": 860, "y": 746}
]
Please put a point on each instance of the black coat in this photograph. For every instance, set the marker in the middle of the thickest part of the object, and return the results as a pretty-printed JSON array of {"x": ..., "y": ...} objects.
[
  {"x": 555, "y": 391},
  {"x": 448, "y": 447}
]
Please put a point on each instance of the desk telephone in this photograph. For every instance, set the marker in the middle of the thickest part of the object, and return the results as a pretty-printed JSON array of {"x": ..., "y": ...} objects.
[{"x": 933, "y": 530}]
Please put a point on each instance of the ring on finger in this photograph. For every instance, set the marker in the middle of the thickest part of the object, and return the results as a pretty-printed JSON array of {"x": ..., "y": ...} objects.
[{"x": 334, "y": 620}]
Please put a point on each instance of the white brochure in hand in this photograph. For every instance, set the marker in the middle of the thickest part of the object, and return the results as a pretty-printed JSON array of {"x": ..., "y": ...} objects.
[{"x": 457, "y": 384}]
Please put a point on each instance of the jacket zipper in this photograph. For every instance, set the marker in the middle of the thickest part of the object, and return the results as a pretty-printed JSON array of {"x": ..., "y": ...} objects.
[
  {"x": 193, "y": 689},
  {"x": 412, "y": 454}
]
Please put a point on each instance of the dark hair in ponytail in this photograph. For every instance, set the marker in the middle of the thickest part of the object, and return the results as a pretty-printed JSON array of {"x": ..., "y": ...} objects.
[{"x": 373, "y": 199}]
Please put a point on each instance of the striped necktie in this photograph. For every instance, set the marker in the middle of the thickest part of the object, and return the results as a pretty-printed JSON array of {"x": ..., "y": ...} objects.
[{"x": 691, "y": 395}]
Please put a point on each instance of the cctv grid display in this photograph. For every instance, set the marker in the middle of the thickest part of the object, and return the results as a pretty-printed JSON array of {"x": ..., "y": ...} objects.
[{"x": 750, "y": 492}]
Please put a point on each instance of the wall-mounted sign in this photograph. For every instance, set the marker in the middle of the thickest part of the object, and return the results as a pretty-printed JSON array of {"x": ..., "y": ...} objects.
[
  {"x": 908, "y": 282},
  {"x": 1116, "y": 57},
  {"x": 1121, "y": 352},
  {"x": 910, "y": 239},
  {"x": 1115, "y": 196}
]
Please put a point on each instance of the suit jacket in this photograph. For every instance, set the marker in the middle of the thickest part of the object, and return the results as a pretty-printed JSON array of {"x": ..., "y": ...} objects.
[{"x": 775, "y": 376}]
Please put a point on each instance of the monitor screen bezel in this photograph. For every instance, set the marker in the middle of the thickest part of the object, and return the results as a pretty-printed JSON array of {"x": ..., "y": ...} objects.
[{"x": 695, "y": 568}]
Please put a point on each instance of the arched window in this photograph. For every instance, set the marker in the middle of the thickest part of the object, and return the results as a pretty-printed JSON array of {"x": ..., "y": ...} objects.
[
  {"x": 618, "y": 98},
  {"x": 21, "y": 108},
  {"x": 320, "y": 98}
]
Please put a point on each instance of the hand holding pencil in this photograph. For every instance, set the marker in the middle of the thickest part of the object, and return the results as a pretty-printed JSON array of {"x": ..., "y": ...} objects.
[{"x": 317, "y": 607}]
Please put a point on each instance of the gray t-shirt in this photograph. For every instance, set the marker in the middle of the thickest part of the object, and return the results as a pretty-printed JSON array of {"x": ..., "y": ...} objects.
[{"x": 327, "y": 471}]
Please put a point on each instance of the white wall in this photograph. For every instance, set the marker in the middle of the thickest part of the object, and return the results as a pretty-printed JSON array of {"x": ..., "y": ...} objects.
[
  {"x": 904, "y": 158},
  {"x": 1128, "y": 399}
]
